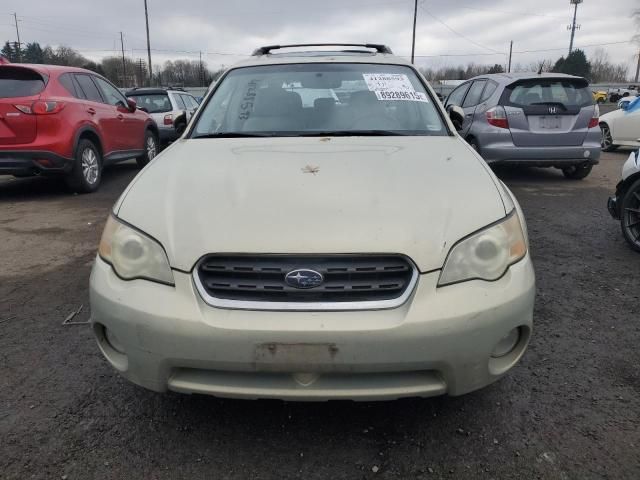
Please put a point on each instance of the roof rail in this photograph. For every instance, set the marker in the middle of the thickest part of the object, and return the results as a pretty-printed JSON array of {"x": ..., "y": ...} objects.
[{"x": 375, "y": 46}]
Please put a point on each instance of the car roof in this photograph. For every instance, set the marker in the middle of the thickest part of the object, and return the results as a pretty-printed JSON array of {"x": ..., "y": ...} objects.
[
  {"x": 48, "y": 69},
  {"x": 507, "y": 78},
  {"x": 154, "y": 91},
  {"x": 322, "y": 56}
]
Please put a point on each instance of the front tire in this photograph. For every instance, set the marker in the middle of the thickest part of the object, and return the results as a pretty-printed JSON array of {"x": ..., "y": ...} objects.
[
  {"x": 577, "y": 172},
  {"x": 86, "y": 175},
  {"x": 606, "y": 139},
  {"x": 150, "y": 149},
  {"x": 630, "y": 216}
]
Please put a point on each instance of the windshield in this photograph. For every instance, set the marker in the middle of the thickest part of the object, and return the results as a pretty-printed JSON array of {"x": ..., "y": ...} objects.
[
  {"x": 320, "y": 99},
  {"x": 154, "y": 103}
]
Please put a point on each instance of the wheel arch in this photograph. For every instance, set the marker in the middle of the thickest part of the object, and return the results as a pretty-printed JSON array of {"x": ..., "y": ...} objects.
[{"x": 89, "y": 133}]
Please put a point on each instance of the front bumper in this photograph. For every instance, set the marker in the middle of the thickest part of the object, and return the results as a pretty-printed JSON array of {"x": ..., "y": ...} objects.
[
  {"x": 440, "y": 341},
  {"x": 612, "y": 206},
  {"x": 33, "y": 162},
  {"x": 167, "y": 134}
]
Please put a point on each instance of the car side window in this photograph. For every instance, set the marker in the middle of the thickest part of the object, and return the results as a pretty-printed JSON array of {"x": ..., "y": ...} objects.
[
  {"x": 475, "y": 92},
  {"x": 88, "y": 88},
  {"x": 190, "y": 101},
  {"x": 185, "y": 100},
  {"x": 455, "y": 97},
  {"x": 66, "y": 79},
  {"x": 179, "y": 103},
  {"x": 488, "y": 90},
  {"x": 111, "y": 94}
]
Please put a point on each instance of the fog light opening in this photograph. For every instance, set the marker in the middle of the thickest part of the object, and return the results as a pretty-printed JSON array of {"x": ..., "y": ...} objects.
[
  {"x": 507, "y": 343},
  {"x": 113, "y": 341}
]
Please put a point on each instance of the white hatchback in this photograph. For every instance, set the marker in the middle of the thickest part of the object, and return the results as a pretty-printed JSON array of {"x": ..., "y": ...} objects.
[{"x": 355, "y": 249}]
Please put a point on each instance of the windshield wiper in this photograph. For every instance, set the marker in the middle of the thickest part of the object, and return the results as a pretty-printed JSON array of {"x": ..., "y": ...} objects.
[
  {"x": 353, "y": 133},
  {"x": 233, "y": 135}
]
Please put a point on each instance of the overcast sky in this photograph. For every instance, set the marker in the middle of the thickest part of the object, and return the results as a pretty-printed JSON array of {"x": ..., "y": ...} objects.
[{"x": 450, "y": 32}]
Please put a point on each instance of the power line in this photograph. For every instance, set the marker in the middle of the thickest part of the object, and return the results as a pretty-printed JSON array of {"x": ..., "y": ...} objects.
[
  {"x": 456, "y": 32},
  {"x": 521, "y": 51}
]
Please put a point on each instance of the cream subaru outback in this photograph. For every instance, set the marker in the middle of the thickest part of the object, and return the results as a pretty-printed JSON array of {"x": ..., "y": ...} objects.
[{"x": 320, "y": 231}]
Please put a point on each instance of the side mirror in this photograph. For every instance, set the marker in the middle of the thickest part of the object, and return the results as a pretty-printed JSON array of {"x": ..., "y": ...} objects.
[
  {"x": 132, "y": 104},
  {"x": 623, "y": 105},
  {"x": 456, "y": 114}
]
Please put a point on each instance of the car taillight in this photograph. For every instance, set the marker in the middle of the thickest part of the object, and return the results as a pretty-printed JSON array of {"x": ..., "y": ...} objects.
[
  {"x": 595, "y": 120},
  {"x": 41, "y": 107},
  {"x": 497, "y": 117},
  {"x": 168, "y": 119}
]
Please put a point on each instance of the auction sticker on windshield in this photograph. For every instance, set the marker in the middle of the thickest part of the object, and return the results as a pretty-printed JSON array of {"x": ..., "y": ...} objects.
[{"x": 393, "y": 86}]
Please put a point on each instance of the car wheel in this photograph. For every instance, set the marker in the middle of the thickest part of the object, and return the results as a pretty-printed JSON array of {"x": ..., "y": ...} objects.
[
  {"x": 614, "y": 98},
  {"x": 86, "y": 174},
  {"x": 630, "y": 216},
  {"x": 150, "y": 149},
  {"x": 606, "y": 140},
  {"x": 577, "y": 172},
  {"x": 601, "y": 100}
]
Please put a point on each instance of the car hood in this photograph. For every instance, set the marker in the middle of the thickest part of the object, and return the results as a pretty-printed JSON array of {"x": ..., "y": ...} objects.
[
  {"x": 411, "y": 195},
  {"x": 612, "y": 115}
]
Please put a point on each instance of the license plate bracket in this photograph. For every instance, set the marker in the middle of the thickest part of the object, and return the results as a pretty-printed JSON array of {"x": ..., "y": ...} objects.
[{"x": 550, "y": 122}]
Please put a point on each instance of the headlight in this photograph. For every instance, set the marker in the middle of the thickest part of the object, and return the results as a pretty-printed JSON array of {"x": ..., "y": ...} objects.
[
  {"x": 132, "y": 254},
  {"x": 487, "y": 254}
]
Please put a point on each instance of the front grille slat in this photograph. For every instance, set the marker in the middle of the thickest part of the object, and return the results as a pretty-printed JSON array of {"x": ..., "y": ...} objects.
[{"x": 346, "y": 278}]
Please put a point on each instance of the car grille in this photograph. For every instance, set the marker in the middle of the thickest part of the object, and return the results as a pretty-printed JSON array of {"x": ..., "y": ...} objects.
[{"x": 349, "y": 281}]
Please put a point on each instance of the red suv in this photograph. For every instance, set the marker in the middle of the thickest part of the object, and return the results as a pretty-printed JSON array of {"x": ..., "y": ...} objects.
[{"x": 68, "y": 121}]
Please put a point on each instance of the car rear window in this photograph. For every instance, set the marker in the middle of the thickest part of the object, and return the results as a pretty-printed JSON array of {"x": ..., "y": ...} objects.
[
  {"x": 20, "y": 82},
  {"x": 153, "y": 103},
  {"x": 570, "y": 93}
]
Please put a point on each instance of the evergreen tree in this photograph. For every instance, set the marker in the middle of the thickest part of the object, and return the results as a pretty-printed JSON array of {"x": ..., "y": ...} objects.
[
  {"x": 33, "y": 53},
  {"x": 575, "y": 64}
]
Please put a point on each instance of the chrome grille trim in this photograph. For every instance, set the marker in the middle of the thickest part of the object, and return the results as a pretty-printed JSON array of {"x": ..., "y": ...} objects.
[{"x": 234, "y": 304}]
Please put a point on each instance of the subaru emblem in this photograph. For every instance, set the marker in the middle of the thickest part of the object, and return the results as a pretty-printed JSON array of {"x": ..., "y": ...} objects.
[{"x": 303, "y": 278}]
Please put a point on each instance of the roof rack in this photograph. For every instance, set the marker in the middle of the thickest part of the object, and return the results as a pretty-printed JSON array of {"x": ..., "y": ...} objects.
[{"x": 375, "y": 46}]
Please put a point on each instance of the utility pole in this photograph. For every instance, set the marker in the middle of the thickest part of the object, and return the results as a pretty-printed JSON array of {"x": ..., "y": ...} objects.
[
  {"x": 413, "y": 38},
  {"x": 637, "y": 69},
  {"x": 575, "y": 3},
  {"x": 124, "y": 64},
  {"x": 146, "y": 16},
  {"x": 201, "y": 72},
  {"x": 510, "y": 53},
  {"x": 15, "y": 17}
]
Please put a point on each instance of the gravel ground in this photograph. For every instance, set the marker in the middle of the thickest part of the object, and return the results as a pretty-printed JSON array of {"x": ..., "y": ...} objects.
[{"x": 570, "y": 410}]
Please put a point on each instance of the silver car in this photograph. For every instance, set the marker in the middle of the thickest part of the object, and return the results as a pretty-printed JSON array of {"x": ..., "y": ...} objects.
[
  {"x": 170, "y": 108},
  {"x": 541, "y": 120}
]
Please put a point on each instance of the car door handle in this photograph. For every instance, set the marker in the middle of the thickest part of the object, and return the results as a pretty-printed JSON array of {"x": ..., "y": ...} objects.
[{"x": 91, "y": 110}]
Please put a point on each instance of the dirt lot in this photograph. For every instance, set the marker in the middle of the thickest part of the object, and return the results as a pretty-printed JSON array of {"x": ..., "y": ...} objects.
[{"x": 570, "y": 410}]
